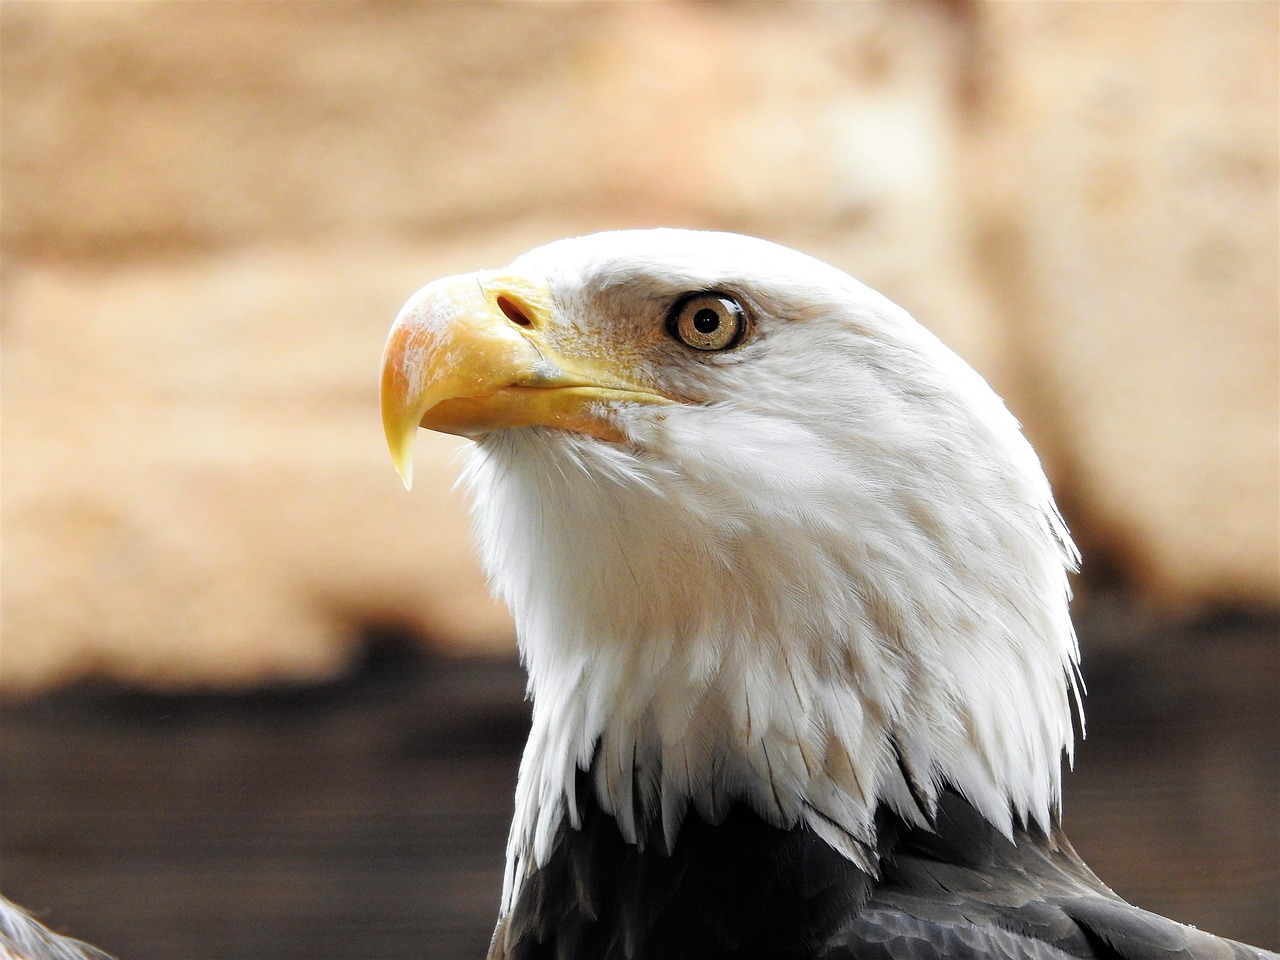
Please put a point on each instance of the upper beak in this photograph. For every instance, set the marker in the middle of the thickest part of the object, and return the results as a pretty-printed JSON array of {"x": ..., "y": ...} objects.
[{"x": 482, "y": 352}]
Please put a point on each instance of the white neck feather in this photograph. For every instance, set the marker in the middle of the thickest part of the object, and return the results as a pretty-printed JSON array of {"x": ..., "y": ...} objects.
[{"x": 872, "y": 614}]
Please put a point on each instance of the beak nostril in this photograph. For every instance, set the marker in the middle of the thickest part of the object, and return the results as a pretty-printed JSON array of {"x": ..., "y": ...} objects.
[{"x": 513, "y": 313}]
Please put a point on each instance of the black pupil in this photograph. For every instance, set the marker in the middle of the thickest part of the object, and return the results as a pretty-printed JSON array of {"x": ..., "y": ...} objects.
[{"x": 706, "y": 320}]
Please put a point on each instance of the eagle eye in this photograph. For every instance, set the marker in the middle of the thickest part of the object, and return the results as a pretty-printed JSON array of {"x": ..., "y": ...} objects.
[{"x": 708, "y": 321}]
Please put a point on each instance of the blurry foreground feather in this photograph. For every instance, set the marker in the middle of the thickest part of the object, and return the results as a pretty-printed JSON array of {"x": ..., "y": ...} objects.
[{"x": 24, "y": 938}]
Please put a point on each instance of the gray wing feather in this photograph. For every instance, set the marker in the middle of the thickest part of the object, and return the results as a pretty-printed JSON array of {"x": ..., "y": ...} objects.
[
  {"x": 1051, "y": 929},
  {"x": 885, "y": 933}
]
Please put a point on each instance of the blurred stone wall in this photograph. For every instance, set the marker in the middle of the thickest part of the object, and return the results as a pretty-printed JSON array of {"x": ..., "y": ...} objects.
[{"x": 211, "y": 213}]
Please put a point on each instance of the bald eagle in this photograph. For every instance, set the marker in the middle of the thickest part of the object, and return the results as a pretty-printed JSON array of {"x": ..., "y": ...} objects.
[{"x": 791, "y": 590}]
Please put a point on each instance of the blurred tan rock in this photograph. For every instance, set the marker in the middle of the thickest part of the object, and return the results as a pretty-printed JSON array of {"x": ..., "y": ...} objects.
[
  {"x": 211, "y": 213},
  {"x": 196, "y": 488},
  {"x": 138, "y": 126},
  {"x": 207, "y": 124},
  {"x": 1131, "y": 238}
]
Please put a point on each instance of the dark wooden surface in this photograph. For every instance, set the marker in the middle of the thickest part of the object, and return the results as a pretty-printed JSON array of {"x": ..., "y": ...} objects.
[{"x": 367, "y": 818}]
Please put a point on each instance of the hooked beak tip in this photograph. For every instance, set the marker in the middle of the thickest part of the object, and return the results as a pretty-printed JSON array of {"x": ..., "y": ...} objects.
[{"x": 401, "y": 429}]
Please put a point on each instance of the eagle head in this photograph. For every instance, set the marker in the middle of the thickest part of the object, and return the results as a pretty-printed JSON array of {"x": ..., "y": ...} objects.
[{"x": 765, "y": 538}]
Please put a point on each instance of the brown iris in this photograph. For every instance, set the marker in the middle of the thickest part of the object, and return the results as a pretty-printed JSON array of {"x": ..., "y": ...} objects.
[{"x": 708, "y": 321}]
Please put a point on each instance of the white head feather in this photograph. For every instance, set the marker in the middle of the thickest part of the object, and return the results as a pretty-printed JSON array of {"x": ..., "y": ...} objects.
[{"x": 833, "y": 579}]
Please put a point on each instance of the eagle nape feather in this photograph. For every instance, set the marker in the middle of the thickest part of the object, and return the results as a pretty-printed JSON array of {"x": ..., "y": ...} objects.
[{"x": 791, "y": 590}]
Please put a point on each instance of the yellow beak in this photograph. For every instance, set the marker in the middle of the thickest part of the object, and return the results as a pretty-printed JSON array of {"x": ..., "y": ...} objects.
[{"x": 482, "y": 352}]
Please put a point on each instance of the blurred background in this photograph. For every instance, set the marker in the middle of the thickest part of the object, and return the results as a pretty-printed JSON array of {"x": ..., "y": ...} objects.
[{"x": 256, "y": 701}]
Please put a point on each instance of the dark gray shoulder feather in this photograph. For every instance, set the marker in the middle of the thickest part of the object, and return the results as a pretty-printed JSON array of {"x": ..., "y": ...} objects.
[{"x": 966, "y": 891}]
